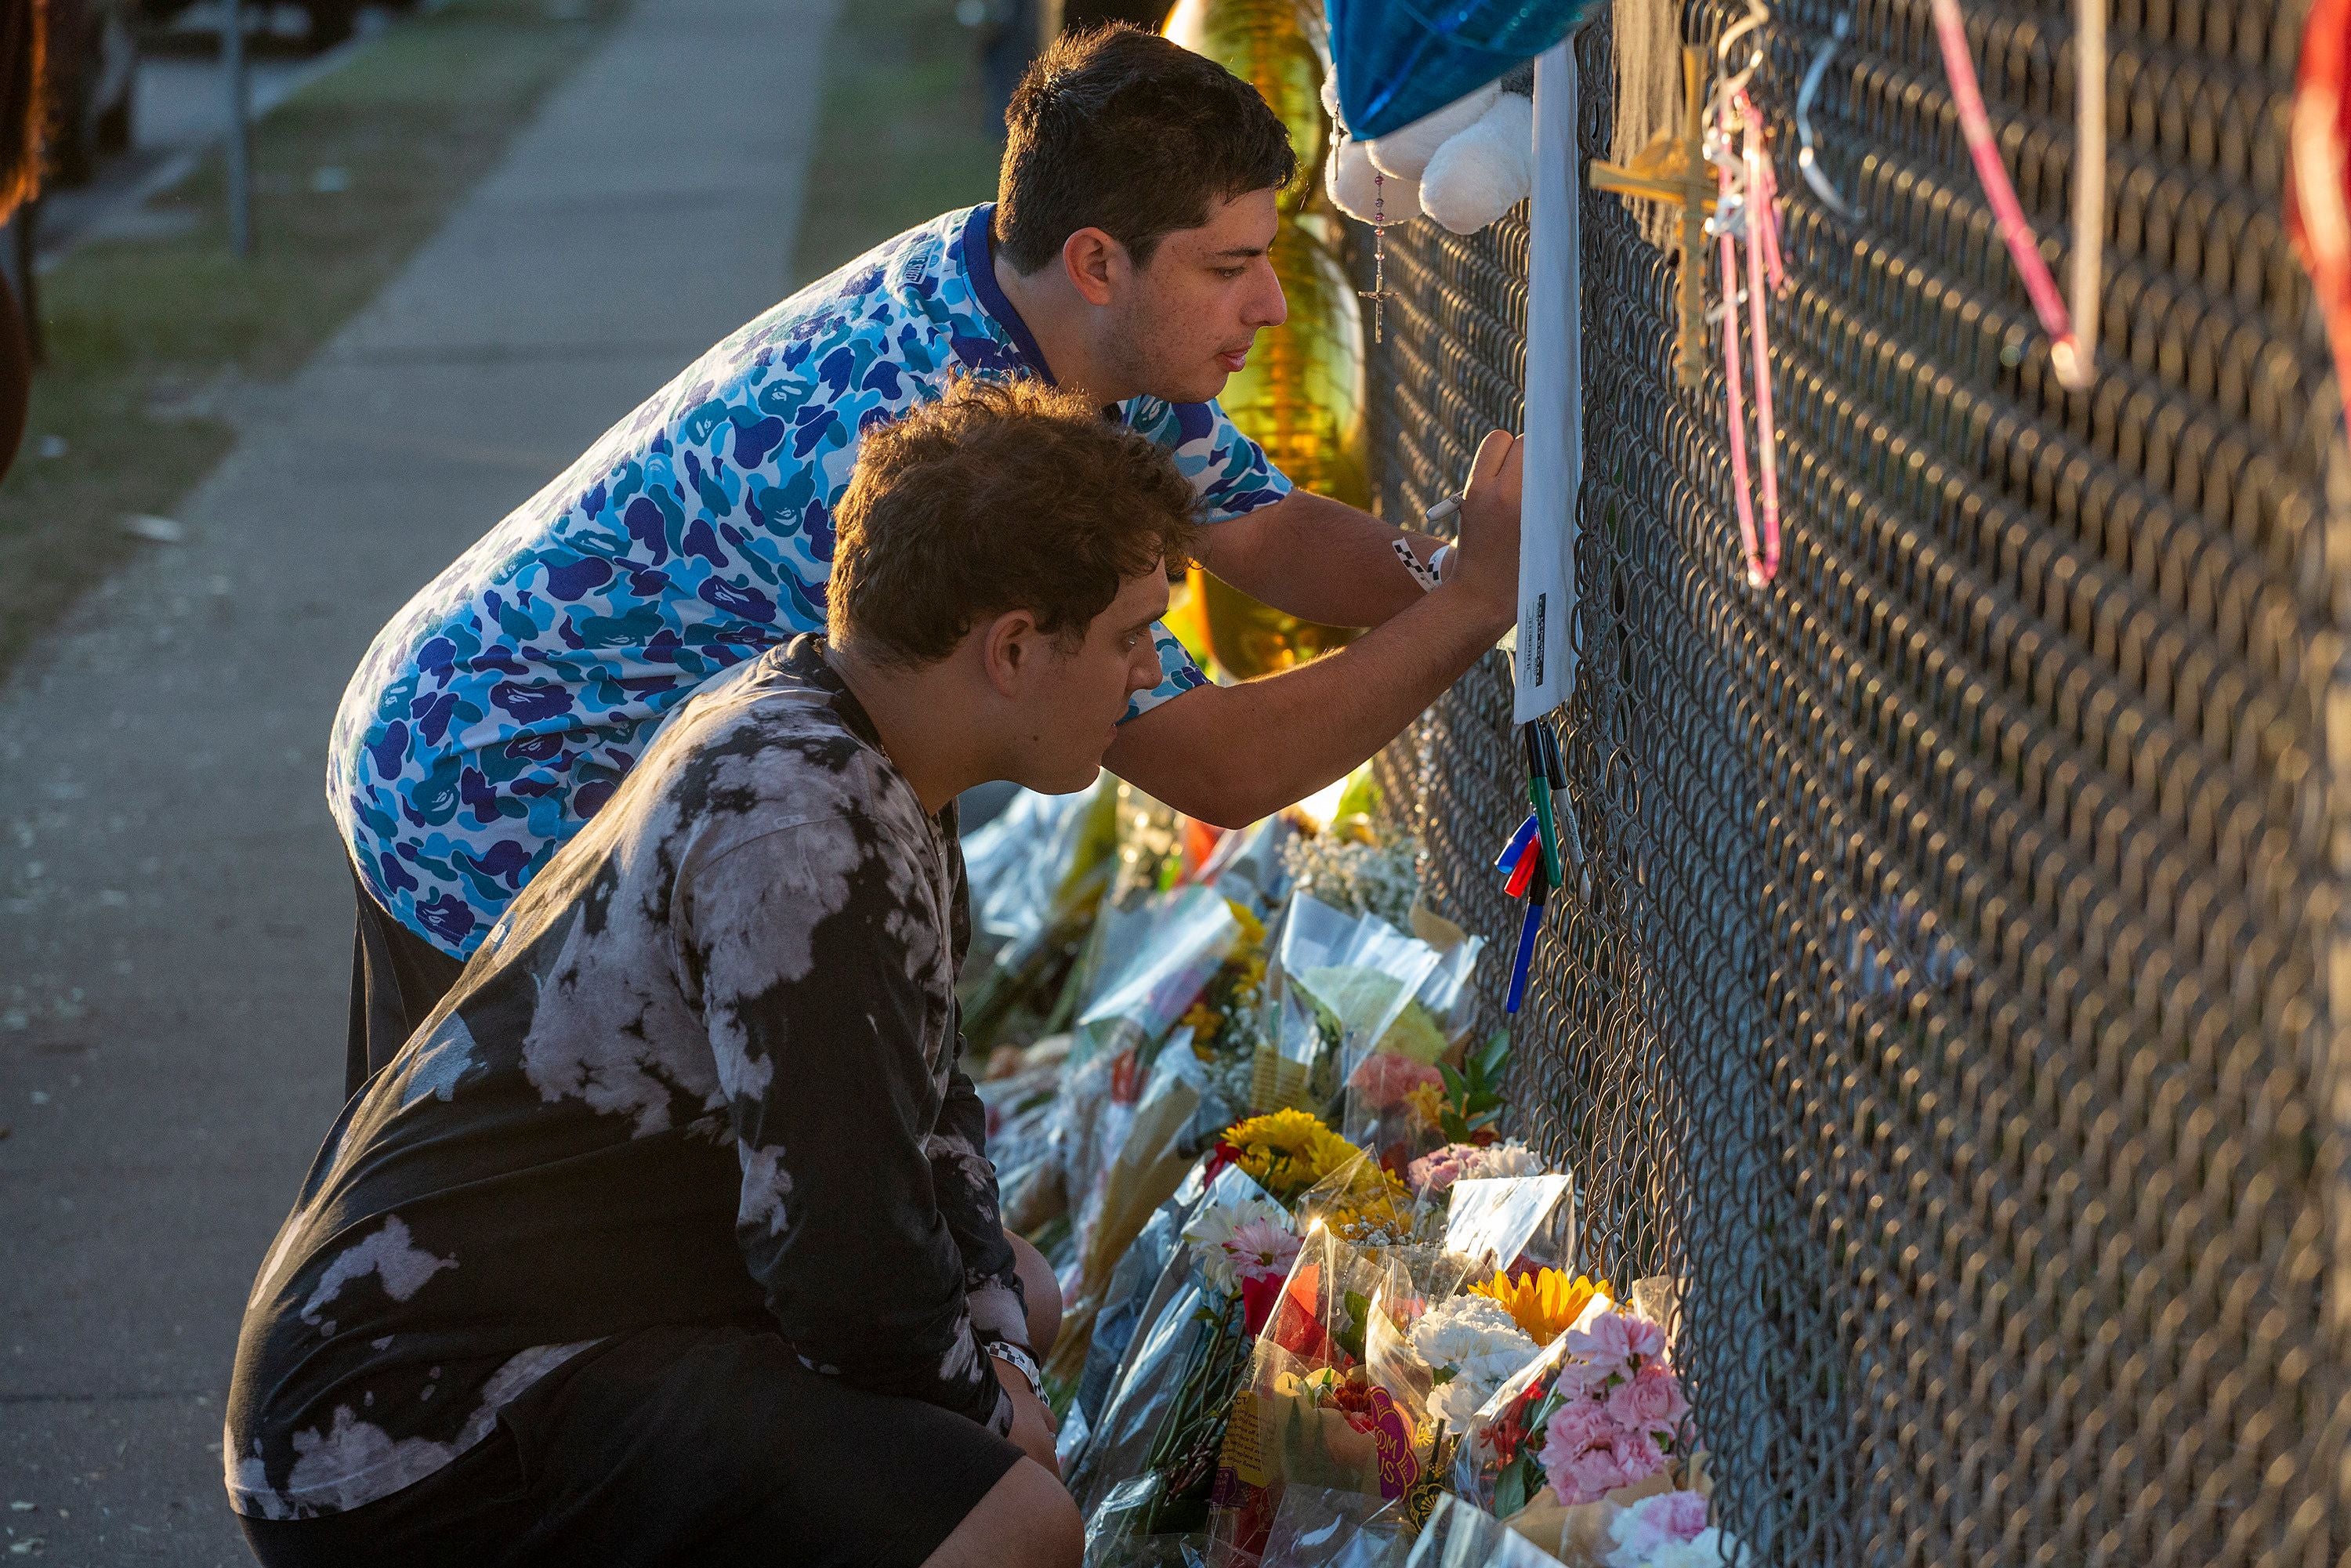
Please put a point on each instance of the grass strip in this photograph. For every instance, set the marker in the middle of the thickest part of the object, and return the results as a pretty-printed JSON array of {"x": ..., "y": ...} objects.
[
  {"x": 902, "y": 134},
  {"x": 350, "y": 176}
]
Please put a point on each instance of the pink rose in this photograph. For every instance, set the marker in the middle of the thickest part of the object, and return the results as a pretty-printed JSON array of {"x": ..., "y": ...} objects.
[
  {"x": 1649, "y": 1401},
  {"x": 1642, "y": 1337},
  {"x": 1386, "y": 1077}
]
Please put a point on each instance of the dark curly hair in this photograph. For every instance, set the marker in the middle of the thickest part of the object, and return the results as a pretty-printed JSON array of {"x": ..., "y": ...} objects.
[
  {"x": 1000, "y": 495},
  {"x": 1122, "y": 130}
]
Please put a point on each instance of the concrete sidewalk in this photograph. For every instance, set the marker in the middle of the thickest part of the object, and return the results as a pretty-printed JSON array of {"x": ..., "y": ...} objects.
[{"x": 174, "y": 910}]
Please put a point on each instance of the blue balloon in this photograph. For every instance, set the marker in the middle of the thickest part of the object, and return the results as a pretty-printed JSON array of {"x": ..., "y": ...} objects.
[{"x": 1399, "y": 60}]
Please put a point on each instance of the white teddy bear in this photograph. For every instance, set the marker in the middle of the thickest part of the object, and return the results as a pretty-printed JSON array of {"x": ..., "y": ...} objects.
[{"x": 1465, "y": 166}]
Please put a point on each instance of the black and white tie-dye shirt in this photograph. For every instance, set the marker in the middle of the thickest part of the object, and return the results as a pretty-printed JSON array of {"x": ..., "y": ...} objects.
[{"x": 704, "y": 1067}]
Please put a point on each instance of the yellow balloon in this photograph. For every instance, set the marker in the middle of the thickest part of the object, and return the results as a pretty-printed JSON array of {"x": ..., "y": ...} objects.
[
  {"x": 1302, "y": 396},
  {"x": 1276, "y": 47}
]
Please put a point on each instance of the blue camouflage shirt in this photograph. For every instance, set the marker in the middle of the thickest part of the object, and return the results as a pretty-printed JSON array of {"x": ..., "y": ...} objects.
[{"x": 500, "y": 709}]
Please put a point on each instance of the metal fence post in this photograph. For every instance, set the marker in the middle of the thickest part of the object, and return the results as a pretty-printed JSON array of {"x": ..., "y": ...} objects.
[{"x": 239, "y": 145}]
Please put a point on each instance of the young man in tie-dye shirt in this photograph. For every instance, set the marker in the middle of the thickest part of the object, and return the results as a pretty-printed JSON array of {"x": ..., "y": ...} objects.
[
  {"x": 1127, "y": 258},
  {"x": 672, "y": 1237}
]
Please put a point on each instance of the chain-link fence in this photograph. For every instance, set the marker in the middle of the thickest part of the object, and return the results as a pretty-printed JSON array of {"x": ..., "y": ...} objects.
[{"x": 1938, "y": 991}]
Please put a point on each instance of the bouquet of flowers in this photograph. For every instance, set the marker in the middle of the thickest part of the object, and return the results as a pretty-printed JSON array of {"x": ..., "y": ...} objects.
[
  {"x": 1226, "y": 1019},
  {"x": 1192, "y": 1345},
  {"x": 1244, "y": 1250},
  {"x": 1346, "y": 867},
  {"x": 1545, "y": 1303},
  {"x": 1146, "y": 966},
  {"x": 1433, "y": 1173},
  {"x": 1669, "y": 1530},
  {"x": 1336, "y": 1400},
  {"x": 1472, "y": 1344},
  {"x": 1573, "y": 1450},
  {"x": 1289, "y": 1153}
]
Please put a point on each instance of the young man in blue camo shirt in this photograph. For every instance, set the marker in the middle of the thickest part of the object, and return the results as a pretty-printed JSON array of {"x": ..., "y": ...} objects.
[{"x": 1125, "y": 258}]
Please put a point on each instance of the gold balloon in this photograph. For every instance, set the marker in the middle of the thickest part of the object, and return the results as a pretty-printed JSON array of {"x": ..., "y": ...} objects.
[
  {"x": 1277, "y": 47},
  {"x": 1302, "y": 396}
]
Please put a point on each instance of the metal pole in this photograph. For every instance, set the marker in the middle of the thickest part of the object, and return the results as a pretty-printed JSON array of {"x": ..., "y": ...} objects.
[{"x": 239, "y": 145}]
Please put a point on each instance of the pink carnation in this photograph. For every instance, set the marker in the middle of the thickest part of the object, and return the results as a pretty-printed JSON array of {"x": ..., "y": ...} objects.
[
  {"x": 1583, "y": 1477},
  {"x": 1575, "y": 1379},
  {"x": 1645, "y": 1529},
  {"x": 1604, "y": 1343},
  {"x": 1636, "y": 1454},
  {"x": 1439, "y": 1171},
  {"x": 1681, "y": 1515},
  {"x": 1386, "y": 1077},
  {"x": 1579, "y": 1455},
  {"x": 1615, "y": 1338},
  {"x": 1649, "y": 1401}
]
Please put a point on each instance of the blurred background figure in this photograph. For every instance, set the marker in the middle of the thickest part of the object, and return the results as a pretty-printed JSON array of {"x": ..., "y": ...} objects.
[{"x": 21, "y": 103}]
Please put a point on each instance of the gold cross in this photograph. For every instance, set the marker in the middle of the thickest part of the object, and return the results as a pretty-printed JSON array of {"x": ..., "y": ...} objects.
[{"x": 1674, "y": 171}]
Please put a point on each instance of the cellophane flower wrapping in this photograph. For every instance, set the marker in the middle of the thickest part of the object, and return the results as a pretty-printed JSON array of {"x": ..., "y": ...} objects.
[
  {"x": 1316, "y": 1527},
  {"x": 1115, "y": 1538},
  {"x": 1022, "y": 1092},
  {"x": 1108, "y": 1428},
  {"x": 1162, "y": 1415},
  {"x": 1398, "y": 1083},
  {"x": 1121, "y": 1133},
  {"x": 1518, "y": 1222},
  {"x": 1459, "y": 1534},
  {"x": 1338, "y": 983},
  {"x": 1037, "y": 874}
]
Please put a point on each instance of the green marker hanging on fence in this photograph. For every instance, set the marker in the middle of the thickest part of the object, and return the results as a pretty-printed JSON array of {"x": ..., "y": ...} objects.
[{"x": 1538, "y": 782}]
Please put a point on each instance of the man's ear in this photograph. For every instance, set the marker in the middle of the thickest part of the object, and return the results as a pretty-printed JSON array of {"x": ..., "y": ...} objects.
[
  {"x": 1096, "y": 264},
  {"x": 1011, "y": 647}
]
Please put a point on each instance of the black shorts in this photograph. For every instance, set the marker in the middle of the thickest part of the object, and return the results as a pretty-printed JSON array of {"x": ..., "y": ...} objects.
[{"x": 685, "y": 1445}]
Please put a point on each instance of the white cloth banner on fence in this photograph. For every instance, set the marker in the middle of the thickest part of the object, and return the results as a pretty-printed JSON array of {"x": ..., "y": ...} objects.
[{"x": 1545, "y": 666}]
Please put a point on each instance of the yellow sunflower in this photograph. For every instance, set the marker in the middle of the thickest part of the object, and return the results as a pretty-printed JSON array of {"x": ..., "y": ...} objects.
[
  {"x": 1546, "y": 1304},
  {"x": 1287, "y": 1152}
]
